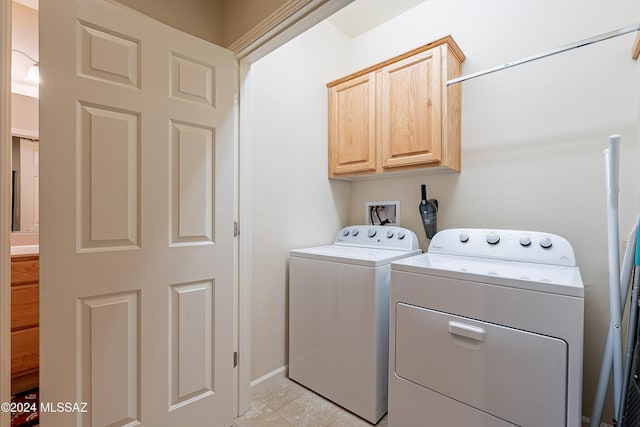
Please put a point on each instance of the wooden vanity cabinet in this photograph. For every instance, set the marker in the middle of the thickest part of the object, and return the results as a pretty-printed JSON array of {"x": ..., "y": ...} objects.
[
  {"x": 397, "y": 115},
  {"x": 25, "y": 333}
]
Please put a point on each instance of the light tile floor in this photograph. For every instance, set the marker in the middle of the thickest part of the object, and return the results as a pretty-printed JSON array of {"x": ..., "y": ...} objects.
[{"x": 287, "y": 404}]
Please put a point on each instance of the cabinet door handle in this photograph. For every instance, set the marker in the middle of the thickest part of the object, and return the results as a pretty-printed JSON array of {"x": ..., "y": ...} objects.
[{"x": 468, "y": 331}]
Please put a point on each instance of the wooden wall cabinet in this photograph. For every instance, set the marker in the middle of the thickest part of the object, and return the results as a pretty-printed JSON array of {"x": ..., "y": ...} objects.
[
  {"x": 25, "y": 333},
  {"x": 352, "y": 125},
  {"x": 398, "y": 115}
]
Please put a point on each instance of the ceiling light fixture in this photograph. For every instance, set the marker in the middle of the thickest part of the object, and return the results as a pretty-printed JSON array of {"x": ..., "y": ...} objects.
[{"x": 33, "y": 74}]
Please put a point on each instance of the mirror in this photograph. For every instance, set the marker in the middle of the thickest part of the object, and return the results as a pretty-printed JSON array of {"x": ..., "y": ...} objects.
[{"x": 25, "y": 188}]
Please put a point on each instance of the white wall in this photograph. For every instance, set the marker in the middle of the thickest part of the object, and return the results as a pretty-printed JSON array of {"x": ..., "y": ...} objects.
[
  {"x": 293, "y": 203},
  {"x": 24, "y": 116},
  {"x": 532, "y": 141},
  {"x": 532, "y": 136}
]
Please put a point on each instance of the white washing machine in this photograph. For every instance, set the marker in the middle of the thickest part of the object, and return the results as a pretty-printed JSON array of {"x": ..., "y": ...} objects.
[
  {"x": 486, "y": 330},
  {"x": 339, "y": 316}
]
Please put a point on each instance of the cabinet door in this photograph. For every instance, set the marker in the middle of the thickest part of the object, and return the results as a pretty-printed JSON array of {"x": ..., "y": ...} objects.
[
  {"x": 409, "y": 102},
  {"x": 352, "y": 121},
  {"x": 24, "y": 306},
  {"x": 25, "y": 352}
]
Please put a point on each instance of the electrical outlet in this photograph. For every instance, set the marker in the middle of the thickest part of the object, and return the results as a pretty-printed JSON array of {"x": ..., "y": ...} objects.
[{"x": 386, "y": 213}]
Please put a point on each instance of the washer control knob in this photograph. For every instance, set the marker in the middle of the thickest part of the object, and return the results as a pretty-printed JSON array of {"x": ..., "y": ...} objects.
[
  {"x": 355, "y": 232},
  {"x": 525, "y": 240},
  {"x": 493, "y": 238},
  {"x": 389, "y": 234},
  {"x": 372, "y": 232},
  {"x": 401, "y": 235},
  {"x": 546, "y": 242},
  {"x": 464, "y": 237},
  {"x": 345, "y": 232}
]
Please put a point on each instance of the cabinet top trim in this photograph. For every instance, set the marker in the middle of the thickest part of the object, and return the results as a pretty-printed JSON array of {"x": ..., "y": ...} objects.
[{"x": 448, "y": 40}]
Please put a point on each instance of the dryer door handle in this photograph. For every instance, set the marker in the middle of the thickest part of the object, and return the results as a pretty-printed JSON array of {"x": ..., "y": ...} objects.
[{"x": 468, "y": 331}]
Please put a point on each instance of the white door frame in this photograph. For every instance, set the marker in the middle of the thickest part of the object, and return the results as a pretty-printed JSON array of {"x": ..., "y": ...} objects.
[
  {"x": 244, "y": 245},
  {"x": 5, "y": 208}
]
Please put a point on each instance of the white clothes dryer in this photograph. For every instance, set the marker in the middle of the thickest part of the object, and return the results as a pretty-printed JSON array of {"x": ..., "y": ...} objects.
[
  {"x": 339, "y": 316},
  {"x": 486, "y": 330}
]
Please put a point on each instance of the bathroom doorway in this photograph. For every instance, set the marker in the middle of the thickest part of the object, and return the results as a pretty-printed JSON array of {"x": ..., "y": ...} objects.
[{"x": 25, "y": 197}]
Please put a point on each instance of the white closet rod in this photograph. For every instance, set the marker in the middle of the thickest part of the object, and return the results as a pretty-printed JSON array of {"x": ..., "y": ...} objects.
[{"x": 585, "y": 42}]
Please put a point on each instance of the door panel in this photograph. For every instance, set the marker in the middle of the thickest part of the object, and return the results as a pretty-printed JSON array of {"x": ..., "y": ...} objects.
[
  {"x": 192, "y": 169},
  {"x": 108, "y": 56},
  {"x": 192, "y": 342},
  {"x": 109, "y": 177},
  {"x": 137, "y": 220},
  {"x": 109, "y": 365}
]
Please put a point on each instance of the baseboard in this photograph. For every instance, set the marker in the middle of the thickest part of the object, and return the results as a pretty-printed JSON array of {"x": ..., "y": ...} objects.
[
  {"x": 586, "y": 421},
  {"x": 266, "y": 380}
]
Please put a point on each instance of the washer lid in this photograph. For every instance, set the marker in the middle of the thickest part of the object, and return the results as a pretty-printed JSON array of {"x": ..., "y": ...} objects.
[
  {"x": 555, "y": 279},
  {"x": 369, "y": 257}
]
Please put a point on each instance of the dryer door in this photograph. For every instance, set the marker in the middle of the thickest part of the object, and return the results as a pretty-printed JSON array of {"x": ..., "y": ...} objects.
[{"x": 512, "y": 374}]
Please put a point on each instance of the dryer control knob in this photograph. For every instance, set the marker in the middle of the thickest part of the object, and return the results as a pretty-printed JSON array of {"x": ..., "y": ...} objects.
[
  {"x": 493, "y": 238},
  {"x": 464, "y": 237},
  {"x": 546, "y": 242},
  {"x": 525, "y": 240},
  {"x": 389, "y": 234},
  {"x": 355, "y": 232},
  {"x": 372, "y": 232},
  {"x": 345, "y": 232},
  {"x": 401, "y": 235}
]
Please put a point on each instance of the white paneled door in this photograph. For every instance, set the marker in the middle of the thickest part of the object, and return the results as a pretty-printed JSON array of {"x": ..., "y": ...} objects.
[{"x": 137, "y": 210}]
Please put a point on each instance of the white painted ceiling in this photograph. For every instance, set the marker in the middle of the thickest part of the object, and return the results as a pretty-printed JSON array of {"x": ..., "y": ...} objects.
[{"x": 362, "y": 15}]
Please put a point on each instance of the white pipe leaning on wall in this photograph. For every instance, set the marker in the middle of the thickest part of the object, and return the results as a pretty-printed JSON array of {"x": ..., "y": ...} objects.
[
  {"x": 613, "y": 347},
  {"x": 612, "y": 168}
]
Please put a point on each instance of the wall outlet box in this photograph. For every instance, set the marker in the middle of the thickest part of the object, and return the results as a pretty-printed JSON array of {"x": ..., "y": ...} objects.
[{"x": 385, "y": 213}]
